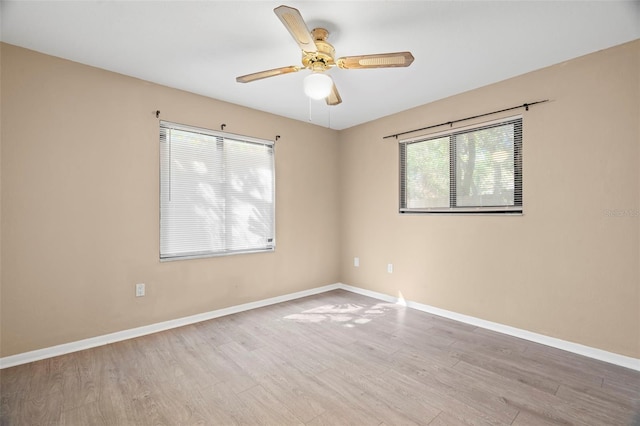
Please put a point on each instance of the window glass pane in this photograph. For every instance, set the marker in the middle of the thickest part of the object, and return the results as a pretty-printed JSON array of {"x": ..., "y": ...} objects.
[
  {"x": 469, "y": 170},
  {"x": 485, "y": 167},
  {"x": 427, "y": 174}
]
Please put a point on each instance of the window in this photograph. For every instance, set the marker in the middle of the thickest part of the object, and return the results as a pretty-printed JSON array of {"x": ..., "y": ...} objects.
[
  {"x": 217, "y": 193},
  {"x": 471, "y": 170}
]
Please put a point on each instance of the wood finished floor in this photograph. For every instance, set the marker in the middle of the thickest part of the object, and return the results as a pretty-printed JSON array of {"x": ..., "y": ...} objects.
[{"x": 337, "y": 358}]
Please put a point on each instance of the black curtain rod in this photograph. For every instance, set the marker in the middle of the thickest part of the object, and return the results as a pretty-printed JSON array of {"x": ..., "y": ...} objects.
[{"x": 451, "y": 123}]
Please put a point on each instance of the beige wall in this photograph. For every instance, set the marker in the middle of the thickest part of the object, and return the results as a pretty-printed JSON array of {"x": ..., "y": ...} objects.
[
  {"x": 80, "y": 205},
  {"x": 79, "y": 208},
  {"x": 564, "y": 269}
]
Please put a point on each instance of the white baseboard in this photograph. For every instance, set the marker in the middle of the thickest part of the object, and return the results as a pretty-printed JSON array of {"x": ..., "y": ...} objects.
[
  {"x": 599, "y": 354},
  {"x": 106, "y": 339}
]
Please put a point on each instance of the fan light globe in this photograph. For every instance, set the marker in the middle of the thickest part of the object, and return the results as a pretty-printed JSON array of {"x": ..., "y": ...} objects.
[{"x": 317, "y": 85}]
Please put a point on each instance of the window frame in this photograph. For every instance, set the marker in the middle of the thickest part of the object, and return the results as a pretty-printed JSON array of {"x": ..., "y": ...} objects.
[
  {"x": 220, "y": 139},
  {"x": 516, "y": 209}
]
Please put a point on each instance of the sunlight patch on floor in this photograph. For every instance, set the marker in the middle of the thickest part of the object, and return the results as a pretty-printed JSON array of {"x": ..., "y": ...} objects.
[{"x": 348, "y": 314}]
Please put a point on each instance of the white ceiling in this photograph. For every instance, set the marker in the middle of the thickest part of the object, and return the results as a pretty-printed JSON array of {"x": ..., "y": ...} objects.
[{"x": 201, "y": 46}]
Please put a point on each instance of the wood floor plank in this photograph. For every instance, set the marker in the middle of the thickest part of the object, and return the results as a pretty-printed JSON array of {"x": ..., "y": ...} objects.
[
  {"x": 528, "y": 418},
  {"x": 303, "y": 398},
  {"x": 625, "y": 386},
  {"x": 534, "y": 401},
  {"x": 224, "y": 407},
  {"x": 508, "y": 366},
  {"x": 229, "y": 372},
  {"x": 9, "y": 407},
  {"x": 446, "y": 419},
  {"x": 597, "y": 405},
  {"x": 508, "y": 342},
  {"x": 349, "y": 391},
  {"x": 402, "y": 399},
  {"x": 41, "y": 410},
  {"x": 267, "y": 409},
  {"x": 438, "y": 399},
  {"x": 81, "y": 380},
  {"x": 87, "y": 414},
  {"x": 457, "y": 386},
  {"x": 335, "y": 358},
  {"x": 182, "y": 404},
  {"x": 344, "y": 415}
]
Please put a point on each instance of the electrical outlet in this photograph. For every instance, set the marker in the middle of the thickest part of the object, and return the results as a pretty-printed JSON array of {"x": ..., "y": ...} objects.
[
  {"x": 356, "y": 261},
  {"x": 390, "y": 268},
  {"x": 140, "y": 290}
]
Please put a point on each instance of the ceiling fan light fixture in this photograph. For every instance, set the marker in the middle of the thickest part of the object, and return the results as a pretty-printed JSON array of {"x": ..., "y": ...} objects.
[
  {"x": 318, "y": 56},
  {"x": 317, "y": 85}
]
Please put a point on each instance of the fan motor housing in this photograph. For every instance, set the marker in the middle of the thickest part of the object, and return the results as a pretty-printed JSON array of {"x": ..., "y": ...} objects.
[{"x": 323, "y": 58}]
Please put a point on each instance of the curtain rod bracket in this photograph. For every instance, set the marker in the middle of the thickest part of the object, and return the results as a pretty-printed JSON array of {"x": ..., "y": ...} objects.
[
  {"x": 157, "y": 113},
  {"x": 222, "y": 126},
  {"x": 277, "y": 137}
]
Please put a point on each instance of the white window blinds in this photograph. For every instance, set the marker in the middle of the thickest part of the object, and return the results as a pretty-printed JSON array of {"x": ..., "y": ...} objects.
[{"x": 217, "y": 193}]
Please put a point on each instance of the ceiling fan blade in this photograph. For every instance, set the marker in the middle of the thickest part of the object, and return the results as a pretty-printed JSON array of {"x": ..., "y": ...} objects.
[
  {"x": 382, "y": 60},
  {"x": 292, "y": 20},
  {"x": 268, "y": 73},
  {"x": 334, "y": 97}
]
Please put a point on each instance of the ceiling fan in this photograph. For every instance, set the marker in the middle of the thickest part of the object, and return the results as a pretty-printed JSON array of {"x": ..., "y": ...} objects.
[{"x": 318, "y": 56}]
